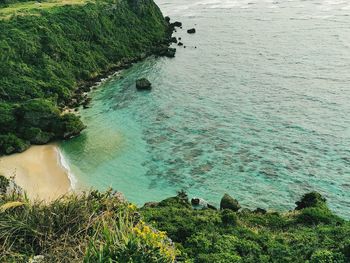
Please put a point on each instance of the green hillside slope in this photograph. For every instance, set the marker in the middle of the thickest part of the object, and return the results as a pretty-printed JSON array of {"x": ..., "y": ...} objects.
[{"x": 49, "y": 49}]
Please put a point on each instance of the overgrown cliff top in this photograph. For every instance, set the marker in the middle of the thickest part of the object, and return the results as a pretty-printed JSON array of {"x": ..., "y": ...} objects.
[{"x": 11, "y": 8}]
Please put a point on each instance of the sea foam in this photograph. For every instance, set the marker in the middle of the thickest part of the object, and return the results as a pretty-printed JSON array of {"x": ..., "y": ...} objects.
[{"x": 63, "y": 162}]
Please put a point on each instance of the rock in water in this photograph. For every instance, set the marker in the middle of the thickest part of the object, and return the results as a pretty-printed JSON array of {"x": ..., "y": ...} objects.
[
  {"x": 143, "y": 84},
  {"x": 177, "y": 24},
  {"x": 173, "y": 40},
  {"x": 170, "y": 53},
  {"x": 227, "y": 202},
  {"x": 191, "y": 31}
]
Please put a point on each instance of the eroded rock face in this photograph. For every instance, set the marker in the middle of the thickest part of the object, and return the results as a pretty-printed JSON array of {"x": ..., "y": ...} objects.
[
  {"x": 143, "y": 84},
  {"x": 228, "y": 202}
]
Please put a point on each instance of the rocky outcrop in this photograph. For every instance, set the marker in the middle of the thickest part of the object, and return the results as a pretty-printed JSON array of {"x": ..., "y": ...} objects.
[
  {"x": 228, "y": 202},
  {"x": 191, "y": 31},
  {"x": 170, "y": 53},
  {"x": 199, "y": 203},
  {"x": 143, "y": 84}
]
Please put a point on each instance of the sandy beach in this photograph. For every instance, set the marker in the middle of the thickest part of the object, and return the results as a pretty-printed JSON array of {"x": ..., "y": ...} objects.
[{"x": 38, "y": 171}]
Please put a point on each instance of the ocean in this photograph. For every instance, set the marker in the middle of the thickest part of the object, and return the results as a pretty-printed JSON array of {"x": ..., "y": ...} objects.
[{"x": 255, "y": 104}]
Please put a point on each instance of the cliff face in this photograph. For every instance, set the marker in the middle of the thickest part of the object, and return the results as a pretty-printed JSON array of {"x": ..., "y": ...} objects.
[{"x": 47, "y": 53}]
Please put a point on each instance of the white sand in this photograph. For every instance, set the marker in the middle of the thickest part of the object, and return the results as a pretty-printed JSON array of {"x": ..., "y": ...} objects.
[{"x": 38, "y": 171}]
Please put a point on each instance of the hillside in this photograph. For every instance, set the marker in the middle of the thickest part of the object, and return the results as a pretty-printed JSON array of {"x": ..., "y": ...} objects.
[
  {"x": 103, "y": 227},
  {"x": 51, "y": 51}
]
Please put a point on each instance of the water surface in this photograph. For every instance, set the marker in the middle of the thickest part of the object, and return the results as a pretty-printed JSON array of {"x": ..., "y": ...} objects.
[{"x": 256, "y": 105}]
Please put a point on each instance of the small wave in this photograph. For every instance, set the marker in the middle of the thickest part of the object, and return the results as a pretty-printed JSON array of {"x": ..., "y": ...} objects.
[{"x": 63, "y": 162}]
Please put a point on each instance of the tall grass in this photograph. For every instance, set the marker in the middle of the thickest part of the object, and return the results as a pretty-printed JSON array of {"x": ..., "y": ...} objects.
[{"x": 92, "y": 227}]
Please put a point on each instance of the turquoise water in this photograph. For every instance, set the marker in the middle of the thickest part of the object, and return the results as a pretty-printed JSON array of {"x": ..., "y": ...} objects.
[{"x": 257, "y": 105}]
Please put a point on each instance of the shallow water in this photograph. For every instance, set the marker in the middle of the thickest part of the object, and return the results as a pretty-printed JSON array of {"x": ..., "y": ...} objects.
[{"x": 259, "y": 109}]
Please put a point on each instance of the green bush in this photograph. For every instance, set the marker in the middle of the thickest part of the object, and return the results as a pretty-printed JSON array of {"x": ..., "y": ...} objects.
[
  {"x": 4, "y": 184},
  {"x": 10, "y": 143},
  {"x": 228, "y": 217},
  {"x": 326, "y": 256},
  {"x": 316, "y": 215},
  {"x": 46, "y": 54},
  {"x": 92, "y": 227},
  {"x": 312, "y": 199},
  {"x": 123, "y": 241},
  {"x": 209, "y": 236}
]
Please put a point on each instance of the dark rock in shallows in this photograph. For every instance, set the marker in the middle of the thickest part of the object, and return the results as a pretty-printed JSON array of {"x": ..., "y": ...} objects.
[
  {"x": 177, "y": 24},
  {"x": 173, "y": 40},
  {"x": 180, "y": 44},
  {"x": 179, "y": 38},
  {"x": 191, "y": 31},
  {"x": 170, "y": 53},
  {"x": 167, "y": 19},
  {"x": 143, "y": 84},
  {"x": 260, "y": 211},
  {"x": 227, "y": 202}
]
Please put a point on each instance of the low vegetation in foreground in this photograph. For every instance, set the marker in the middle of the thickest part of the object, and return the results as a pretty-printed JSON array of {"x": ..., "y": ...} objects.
[
  {"x": 92, "y": 227},
  {"x": 102, "y": 227}
]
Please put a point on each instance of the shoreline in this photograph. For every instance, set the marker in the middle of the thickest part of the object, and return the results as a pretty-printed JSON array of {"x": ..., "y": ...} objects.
[{"x": 40, "y": 171}]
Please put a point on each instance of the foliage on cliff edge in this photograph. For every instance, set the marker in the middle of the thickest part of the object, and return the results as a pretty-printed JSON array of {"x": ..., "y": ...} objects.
[{"x": 45, "y": 54}]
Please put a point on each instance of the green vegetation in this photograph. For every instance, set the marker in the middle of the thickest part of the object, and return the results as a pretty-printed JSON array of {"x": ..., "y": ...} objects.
[
  {"x": 310, "y": 234},
  {"x": 94, "y": 227},
  {"x": 49, "y": 50},
  {"x": 102, "y": 227}
]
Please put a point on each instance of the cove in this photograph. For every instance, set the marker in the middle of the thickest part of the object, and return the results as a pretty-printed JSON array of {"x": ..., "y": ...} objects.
[{"x": 256, "y": 105}]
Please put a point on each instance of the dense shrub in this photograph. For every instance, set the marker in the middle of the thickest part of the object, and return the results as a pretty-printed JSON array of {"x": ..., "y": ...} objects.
[
  {"x": 94, "y": 227},
  {"x": 316, "y": 215},
  {"x": 326, "y": 256},
  {"x": 228, "y": 217},
  {"x": 312, "y": 199},
  {"x": 227, "y": 236},
  {"x": 45, "y": 54},
  {"x": 10, "y": 143}
]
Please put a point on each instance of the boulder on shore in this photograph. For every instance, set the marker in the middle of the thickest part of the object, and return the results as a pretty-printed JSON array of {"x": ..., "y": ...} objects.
[
  {"x": 199, "y": 203},
  {"x": 191, "y": 31},
  {"x": 143, "y": 84},
  {"x": 228, "y": 202}
]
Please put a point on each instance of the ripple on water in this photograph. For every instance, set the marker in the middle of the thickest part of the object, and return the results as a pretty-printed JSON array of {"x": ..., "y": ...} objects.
[{"x": 259, "y": 110}]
